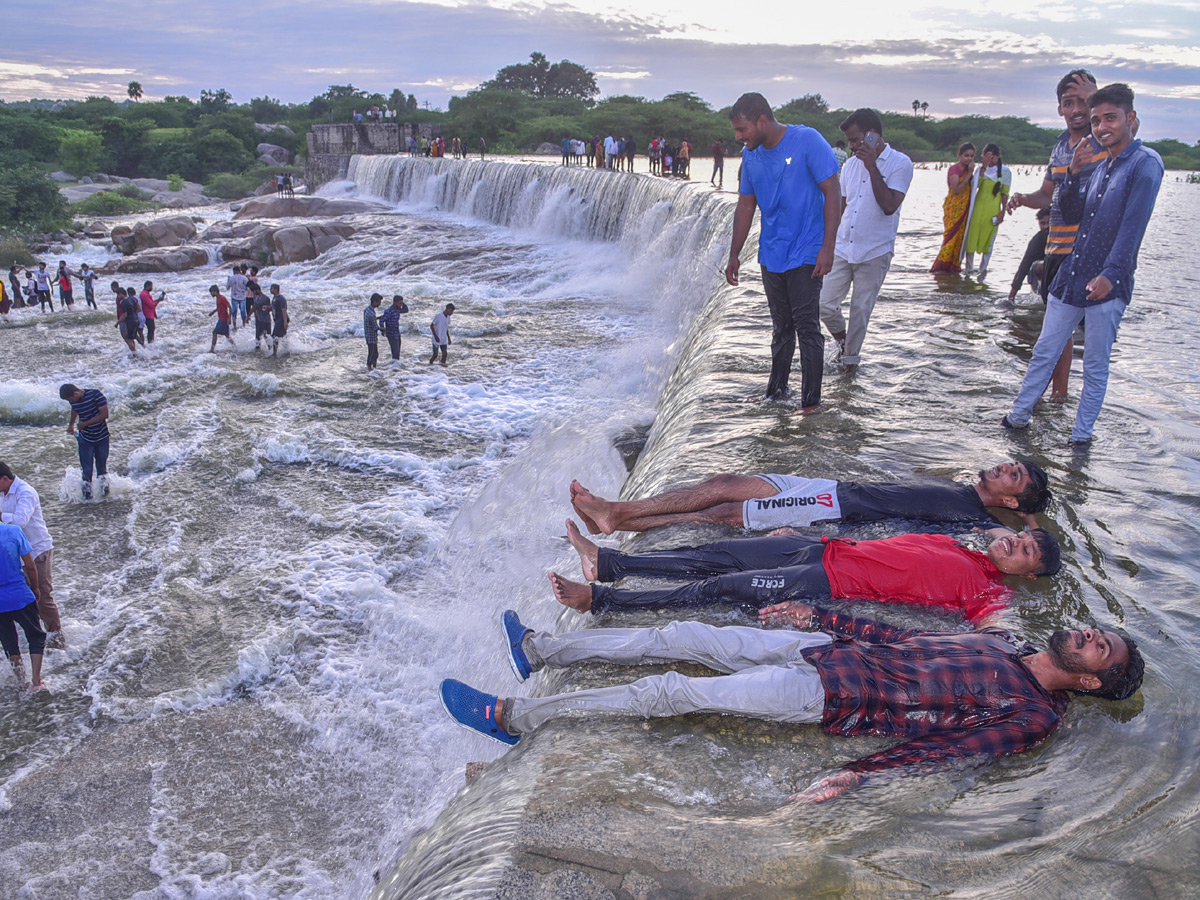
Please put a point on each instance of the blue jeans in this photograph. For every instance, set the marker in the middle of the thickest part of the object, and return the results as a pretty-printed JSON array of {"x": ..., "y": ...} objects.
[
  {"x": 92, "y": 455},
  {"x": 1059, "y": 324}
]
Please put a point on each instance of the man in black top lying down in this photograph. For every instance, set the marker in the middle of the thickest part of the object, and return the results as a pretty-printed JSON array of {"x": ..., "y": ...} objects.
[{"x": 763, "y": 502}]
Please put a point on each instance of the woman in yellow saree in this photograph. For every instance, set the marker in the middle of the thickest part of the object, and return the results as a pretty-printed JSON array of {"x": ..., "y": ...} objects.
[{"x": 955, "y": 209}]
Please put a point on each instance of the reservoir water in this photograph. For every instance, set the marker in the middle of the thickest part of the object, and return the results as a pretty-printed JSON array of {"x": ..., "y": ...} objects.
[{"x": 294, "y": 553}]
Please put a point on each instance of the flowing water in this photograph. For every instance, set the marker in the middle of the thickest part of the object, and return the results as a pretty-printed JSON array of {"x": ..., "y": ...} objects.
[{"x": 294, "y": 553}]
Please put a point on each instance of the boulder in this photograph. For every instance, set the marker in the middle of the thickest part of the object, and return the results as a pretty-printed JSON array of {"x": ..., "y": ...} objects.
[
  {"x": 274, "y": 154},
  {"x": 269, "y": 128},
  {"x": 304, "y": 207},
  {"x": 548, "y": 149},
  {"x": 96, "y": 231},
  {"x": 85, "y": 180},
  {"x": 267, "y": 187},
  {"x": 298, "y": 243},
  {"x": 169, "y": 231},
  {"x": 61, "y": 176},
  {"x": 223, "y": 231},
  {"x": 159, "y": 259},
  {"x": 255, "y": 244}
]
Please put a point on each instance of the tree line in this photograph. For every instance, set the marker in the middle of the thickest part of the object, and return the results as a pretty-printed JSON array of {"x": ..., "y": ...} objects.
[{"x": 212, "y": 139}]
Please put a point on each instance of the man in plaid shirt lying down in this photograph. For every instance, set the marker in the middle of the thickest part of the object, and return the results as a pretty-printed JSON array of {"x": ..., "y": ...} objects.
[{"x": 943, "y": 696}]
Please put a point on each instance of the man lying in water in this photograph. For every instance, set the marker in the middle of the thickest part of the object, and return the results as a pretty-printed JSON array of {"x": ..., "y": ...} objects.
[
  {"x": 763, "y": 502},
  {"x": 919, "y": 569},
  {"x": 978, "y": 694}
]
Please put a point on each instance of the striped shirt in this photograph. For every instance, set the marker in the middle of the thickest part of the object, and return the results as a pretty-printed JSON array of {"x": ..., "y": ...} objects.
[
  {"x": 88, "y": 407},
  {"x": 948, "y": 696},
  {"x": 1062, "y": 235}
]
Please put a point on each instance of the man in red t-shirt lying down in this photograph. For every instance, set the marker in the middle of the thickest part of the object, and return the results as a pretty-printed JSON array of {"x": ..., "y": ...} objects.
[{"x": 918, "y": 569}]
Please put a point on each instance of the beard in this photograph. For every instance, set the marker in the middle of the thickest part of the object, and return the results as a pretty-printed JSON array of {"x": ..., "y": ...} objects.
[{"x": 1065, "y": 656}]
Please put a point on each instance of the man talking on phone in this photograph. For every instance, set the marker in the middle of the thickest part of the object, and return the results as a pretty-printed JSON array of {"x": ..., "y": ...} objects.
[{"x": 874, "y": 181}]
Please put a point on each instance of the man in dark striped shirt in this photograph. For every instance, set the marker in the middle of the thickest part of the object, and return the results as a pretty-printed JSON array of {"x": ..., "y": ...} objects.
[
  {"x": 944, "y": 696},
  {"x": 89, "y": 412}
]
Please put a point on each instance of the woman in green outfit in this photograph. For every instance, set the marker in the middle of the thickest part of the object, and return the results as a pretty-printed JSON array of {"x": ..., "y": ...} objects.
[{"x": 993, "y": 182}]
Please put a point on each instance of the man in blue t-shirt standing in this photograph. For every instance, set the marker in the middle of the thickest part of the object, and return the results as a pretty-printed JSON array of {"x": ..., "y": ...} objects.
[
  {"x": 89, "y": 412},
  {"x": 18, "y": 604},
  {"x": 789, "y": 173}
]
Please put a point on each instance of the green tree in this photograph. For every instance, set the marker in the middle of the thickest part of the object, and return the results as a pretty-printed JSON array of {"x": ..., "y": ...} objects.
[
  {"x": 29, "y": 201},
  {"x": 220, "y": 151},
  {"x": 215, "y": 101},
  {"x": 410, "y": 104},
  {"x": 80, "y": 152},
  {"x": 267, "y": 110},
  {"x": 809, "y": 104},
  {"x": 135, "y": 91},
  {"x": 343, "y": 92},
  {"x": 688, "y": 99},
  {"x": 124, "y": 144},
  {"x": 539, "y": 78}
]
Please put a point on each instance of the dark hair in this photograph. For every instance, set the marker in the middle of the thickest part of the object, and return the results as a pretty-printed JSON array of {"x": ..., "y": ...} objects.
[
  {"x": 1036, "y": 497},
  {"x": 1118, "y": 94},
  {"x": 1119, "y": 682},
  {"x": 963, "y": 148},
  {"x": 116, "y": 285},
  {"x": 396, "y": 297},
  {"x": 866, "y": 119},
  {"x": 67, "y": 391},
  {"x": 1051, "y": 558},
  {"x": 5, "y": 471},
  {"x": 213, "y": 289},
  {"x": 995, "y": 148},
  {"x": 450, "y": 307},
  {"x": 750, "y": 107},
  {"x": 1065, "y": 83},
  {"x": 841, "y": 144},
  {"x": 147, "y": 285},
  {"x": 377, "y": 296},
  {"x": 275, "y": 287},
  {"x": 1043, "y": 213}
]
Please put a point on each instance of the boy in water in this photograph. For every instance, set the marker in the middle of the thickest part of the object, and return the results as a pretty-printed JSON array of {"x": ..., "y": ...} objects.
[
  {"x": 224, "y": 314},
  {"x": 440, "y": 327}
]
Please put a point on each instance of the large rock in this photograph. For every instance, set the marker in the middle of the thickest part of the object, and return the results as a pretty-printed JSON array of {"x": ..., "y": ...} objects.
[
  {"x": 224, "y": 231},
  {"x": 269, "y": 128},
  {"x": 255, "y": 244},
  {"x": 304, "y": 207},
  {"x": 61, "y": 176},
  {"x": 160, "y": 259},
  {"x": 170, "y": 231},
  {"x": 273, "y": 153},
  {"x": 299, "y": 243}
]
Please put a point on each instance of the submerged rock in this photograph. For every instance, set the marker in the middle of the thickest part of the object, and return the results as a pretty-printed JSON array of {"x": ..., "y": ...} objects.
[
  {"x": 159, "y": 259},
  {"x": 304, "y": 207}
]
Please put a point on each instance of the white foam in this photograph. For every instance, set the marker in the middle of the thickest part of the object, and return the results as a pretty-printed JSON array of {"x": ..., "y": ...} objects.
[{"x": 29, "y": 403}]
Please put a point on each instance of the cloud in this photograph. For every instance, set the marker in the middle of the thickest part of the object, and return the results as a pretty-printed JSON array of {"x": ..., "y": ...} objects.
[{"x": 991, "y": 58}]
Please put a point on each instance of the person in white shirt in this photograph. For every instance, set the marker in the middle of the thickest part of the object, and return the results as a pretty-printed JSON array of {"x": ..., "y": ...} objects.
[
  {"x": 440, "y": 327},
  {"x": 874, "y": 181},
  {"x": 20, "y": 506}
]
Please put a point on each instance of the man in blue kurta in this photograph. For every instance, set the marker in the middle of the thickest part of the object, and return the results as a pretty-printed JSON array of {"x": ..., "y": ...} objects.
[
  {"x": 789, "y": 173},
  {"x": 1096, "y": 282}
]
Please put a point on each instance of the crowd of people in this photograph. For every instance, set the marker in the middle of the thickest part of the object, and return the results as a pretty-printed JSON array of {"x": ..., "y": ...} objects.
[
  {"x": 617, "y": 153},
  {"x": 828, "y": 227},
  {"x": 38, "y": 289}
]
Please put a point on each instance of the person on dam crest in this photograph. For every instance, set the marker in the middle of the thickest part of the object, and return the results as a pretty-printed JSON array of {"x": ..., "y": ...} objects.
[{"x": 943, "y": 696}]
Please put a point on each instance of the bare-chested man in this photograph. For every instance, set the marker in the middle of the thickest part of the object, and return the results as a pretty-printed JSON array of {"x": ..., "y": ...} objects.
[{"x": 763, "y": 502}]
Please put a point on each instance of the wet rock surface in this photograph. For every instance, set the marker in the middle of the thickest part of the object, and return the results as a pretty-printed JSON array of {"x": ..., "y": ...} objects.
[
  {"x": 170, "y": 231},
  {"x": 304, "y": 207}
]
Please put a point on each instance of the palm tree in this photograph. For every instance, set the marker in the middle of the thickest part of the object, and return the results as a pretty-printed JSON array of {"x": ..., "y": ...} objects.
[
  {"x": 916, "y": 106},
  {"x": 924, "y": 109},
  {"x": 135, "y": 90}
]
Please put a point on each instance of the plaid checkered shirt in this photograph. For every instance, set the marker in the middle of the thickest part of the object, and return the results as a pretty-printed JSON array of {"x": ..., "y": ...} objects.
[{"x": 950, "y": 696}]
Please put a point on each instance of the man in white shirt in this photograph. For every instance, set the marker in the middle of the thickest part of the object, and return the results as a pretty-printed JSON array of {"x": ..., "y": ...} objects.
[
  {"x": 440, "y": 328},
  {"x": 20, "y": 506},
  {"x": 874, "y": 181}
]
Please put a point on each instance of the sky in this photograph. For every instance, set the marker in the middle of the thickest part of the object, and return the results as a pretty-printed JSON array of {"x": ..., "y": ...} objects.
[{"x": 1000, "y": 58}]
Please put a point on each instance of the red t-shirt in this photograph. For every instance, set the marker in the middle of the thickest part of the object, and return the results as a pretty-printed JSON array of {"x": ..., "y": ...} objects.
[
  {"x": 149, "y": 304},
  {"x": 919, "y": 569},
  {"x": 223, "y": 308}
]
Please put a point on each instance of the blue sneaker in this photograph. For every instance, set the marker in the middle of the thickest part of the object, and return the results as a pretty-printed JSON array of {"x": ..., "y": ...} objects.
[
  {"x": 514, "y": 634},
  {"x": 475, "y": 710}
]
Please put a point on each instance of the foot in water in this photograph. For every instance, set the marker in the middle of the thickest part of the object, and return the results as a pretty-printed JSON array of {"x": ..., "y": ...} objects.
[
  {"x": 571, "y": 593},
  {"x": 589, "y": 553},
  {"x": 593, "y": 510}
]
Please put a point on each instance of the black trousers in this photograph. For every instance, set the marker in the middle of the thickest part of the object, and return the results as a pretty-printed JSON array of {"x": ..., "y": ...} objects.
[
  {"x": 394, "y": 342},
  {"x": 150, "y": 323},
  {"x": 794, "y": 298},
  {"x": 749, "y": 571},
  {"x": 372, "y": 354},
  {"x": 27, "y": 618}
]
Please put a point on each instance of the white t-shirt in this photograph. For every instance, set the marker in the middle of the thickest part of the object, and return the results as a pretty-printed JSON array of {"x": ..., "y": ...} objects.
[
  {"x": 865, "y": 232},
  {"x": 441, "y": 328},
  {"x": 21, "y": 507}
]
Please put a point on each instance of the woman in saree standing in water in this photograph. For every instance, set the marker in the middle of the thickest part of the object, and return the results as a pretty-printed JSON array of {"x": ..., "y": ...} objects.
[
  {"x": 955, "y": 209},
  {"x": 994, "y": 182}
]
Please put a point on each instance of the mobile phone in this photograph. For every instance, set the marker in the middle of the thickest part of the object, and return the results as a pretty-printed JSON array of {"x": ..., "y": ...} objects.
[{"x": 871, "y": 139}]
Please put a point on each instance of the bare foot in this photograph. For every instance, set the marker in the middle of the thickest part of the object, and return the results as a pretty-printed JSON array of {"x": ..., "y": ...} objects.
[
  {"x": 596, "y": 512},
  {"x": 812, "y": 410},
  {"x": 589, "y": 553},
  {"x": 571, "y": 593}
]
